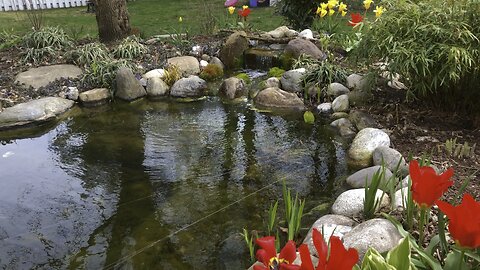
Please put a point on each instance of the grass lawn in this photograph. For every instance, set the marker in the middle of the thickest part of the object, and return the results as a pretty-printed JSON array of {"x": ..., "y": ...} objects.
[{"x": 150, "y": 16}]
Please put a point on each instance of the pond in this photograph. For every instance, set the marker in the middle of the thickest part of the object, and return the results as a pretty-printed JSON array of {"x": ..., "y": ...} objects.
[{"x": 157, "y": 185}]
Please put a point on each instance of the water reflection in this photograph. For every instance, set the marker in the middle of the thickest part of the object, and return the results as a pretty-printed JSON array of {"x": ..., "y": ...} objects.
[{"x": 146, "y": 185}]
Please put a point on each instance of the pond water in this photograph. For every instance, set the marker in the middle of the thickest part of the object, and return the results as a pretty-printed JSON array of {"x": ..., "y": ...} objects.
[{"x": 156, "y": 185}]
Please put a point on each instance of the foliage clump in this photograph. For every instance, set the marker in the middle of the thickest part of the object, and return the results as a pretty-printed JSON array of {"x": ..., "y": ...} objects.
[
  {"x": 298, "y": 13},
  {"x": 130, "y": 48},
  {"x": 244, "y": 77},
  {"x": 89, "y": 53},
  {"x": 102, "y": 73},
  {"x": 44, "y": 44},
  {"x": 275, "y": 72},
  {"x": 434, "y": 46},
  {"x": 320, "y": 73},
  {"x": 172, "y": 74},
  {"x": 211, "y": 72},
  {"x": 8, "y": 40}
]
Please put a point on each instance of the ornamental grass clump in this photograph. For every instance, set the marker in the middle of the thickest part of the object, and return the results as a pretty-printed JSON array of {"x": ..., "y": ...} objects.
[
  {"x": 130, "y": 48},
  {"x": 434, "y": 46},
  {"x": 89, "y": 53},
  {"x": 44, "y": 44},
  {"x": 211, "y": 72}
]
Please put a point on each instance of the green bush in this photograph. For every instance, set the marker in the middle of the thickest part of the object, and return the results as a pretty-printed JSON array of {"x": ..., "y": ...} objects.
[
  {"x": 130, "y": 48},
  {"x": 244, "y": 77},
  {"x": 275, "y": 72},
  {"x": 211, "y": 72},
  {"x": 89, "y": 53},
  {"x": 298, "y": 13},
  {"x": 434, "y": 46},
  {"x": 44, "y": 44}
]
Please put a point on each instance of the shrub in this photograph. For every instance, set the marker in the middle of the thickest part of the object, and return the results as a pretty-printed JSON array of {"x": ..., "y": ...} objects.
[
  {"x": 130, "y": 48},
  {"x": 298, "y": 13},
  {"x": 275, "y": 72},
  {"x": 320, "y": 73},
  {"x": 172, "y": 74},
  {"x": 102, "y": 73},
  {"x": 434, "y": 46},
  {"x": 89, "y": 53},
  {"x": 44, "y": 44},
  {"x": 244, "y": 77},
  {"x": 211, "y": 72},
  {"x": 8, "y": 40}
]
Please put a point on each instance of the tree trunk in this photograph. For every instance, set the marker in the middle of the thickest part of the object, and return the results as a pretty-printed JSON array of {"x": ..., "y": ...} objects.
[{"x": 112, "y": 19}]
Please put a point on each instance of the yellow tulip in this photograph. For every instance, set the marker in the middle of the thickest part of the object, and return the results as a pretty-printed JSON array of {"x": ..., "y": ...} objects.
[
  {"x": 231, "y": 10},
  {"x": 367, "y": 3},
  {"x": 331, "y": 12},
  {"x": 332, "y": 4},
  {"x": 244, "y": 7},
  {"x": 379, "y": 11},
  {"x": 344, "y": 13},
  {"x": 180, "y": 19},
  {"x": 323, "y": 12},
  {"x": 324, "y": 5},
  {"x": 342, "y": 7}
]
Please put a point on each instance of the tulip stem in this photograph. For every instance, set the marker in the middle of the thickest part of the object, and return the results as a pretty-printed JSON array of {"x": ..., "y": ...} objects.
[
  {"x": 421, "y": 229},
  {"x": 462, "y": 256}
]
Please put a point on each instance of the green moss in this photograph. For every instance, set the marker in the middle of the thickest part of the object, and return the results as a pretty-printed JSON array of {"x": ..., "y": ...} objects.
[
  {"x": 287, "y": 61},
  {"x": 276, "y": 72},
  {"x": 211, "y": 72},
  {"x": 244, "y": 77}
]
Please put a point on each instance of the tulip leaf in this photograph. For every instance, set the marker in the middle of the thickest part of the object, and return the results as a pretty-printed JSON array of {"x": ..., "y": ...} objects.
[
  {"x": 308, "y": 117},
  {"x": 454, "y": 261},
  {"x": 399, "y": 257},
  {"x": 434, "y": 242},
  {"x": 373, "y": 260}
]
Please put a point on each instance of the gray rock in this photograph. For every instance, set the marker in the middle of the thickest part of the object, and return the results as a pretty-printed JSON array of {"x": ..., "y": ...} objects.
[
  {"x": 217, "y": 61},
  {"x": 337, "y": 89},
  {"x": 329, "y": 225},
  {"x": 279, "y": 32},
  {"x": 291, "y": 80},
  {"x": 313, "y": 91},
  {"x": 401, "y": 198},
  {"x": 272, "y": 82},
  {"x": 95, "y": 97},
  {"x": 339, "y": 115},
  {"x": 69, "y": 93},
  {"x": 344, "y": 126},
  {"x": 42, "y": 76},
  {"x": 155, "y": 73},
  {"x": 307, "y": 34},
  {"x": 206, "y": 57},
  {"x": 357, "y": 180},
  {"x": 350, "y": 203},
  {"x": 277, "y": 47},
  {"x": 156, "y": 87},
  {"x": 276, "y": 98},
  {"x": 357, "y": 82},
  {"x": 34, "y": 112},
  {"x": 187, "y": 65},
  {"x": 299, "y": 46},
  {"x": 325, "y": 108},
  {"x": 231, "y": 52},
  {"x": 362, "y": 120},
  {"x": 363, "y": 145},
  {"x": 191, "y": 87},
  {"x": 377, "y": 233},
  {"x": 391, "y": 158},
  {"x": 404, "y": 182},
  {"x": 233, "y": 88},
  {"x": 341, "y": 104},
  {"x": 128, "y": 87}
]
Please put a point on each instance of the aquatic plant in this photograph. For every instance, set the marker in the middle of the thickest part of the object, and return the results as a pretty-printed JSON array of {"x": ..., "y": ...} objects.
[
  {"x": 244, "y": 77},
  {"x": 275, "y": 72},
  {"x": 172, "y": 74}
]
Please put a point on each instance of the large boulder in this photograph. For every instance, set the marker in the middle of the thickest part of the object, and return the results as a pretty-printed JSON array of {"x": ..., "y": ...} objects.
[
  {"x": 233, "y": 88},
  {"x": 187, "y": 65},
  {"x": 363, "y": 145},
  {"x": 390, "y": 158},
  {"x": 365, "y": 176},
  {"x": 156, "y": 87},
  {"x": 128, "y": 87},
  {"x": 34, "y": 112},
  {"x": 276, "y": 98},
  {"x": 350, "y": 203},
  {"x": 95, "y": 97},
  {"x": 42, "y": 76},
  {"x": 291, "y": 80},
  {"x": 376, "y": 233},
  {"x": 272, "y": 82},
  {"x": 299, "y": 46},
  {"x": 191, "y": 87},
  {"x": 231, "y": 53},
  {"x": 341, "y": 104}
]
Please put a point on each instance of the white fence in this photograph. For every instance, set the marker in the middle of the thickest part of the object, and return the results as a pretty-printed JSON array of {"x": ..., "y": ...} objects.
[{"x": 8, "y": 5}]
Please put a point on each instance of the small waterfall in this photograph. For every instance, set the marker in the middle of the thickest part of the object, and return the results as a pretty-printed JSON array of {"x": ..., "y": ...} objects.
[{"x": 261, "y": 59}]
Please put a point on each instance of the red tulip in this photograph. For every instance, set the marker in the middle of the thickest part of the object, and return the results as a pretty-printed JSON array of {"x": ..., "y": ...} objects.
[
  {"x": 464, "y": 224},
  {"x": 339, "y": 258},
  {"x": 427, "y": 186},
  {"x": 268, "y": 255},
  {"x": 356, "y": 19},
  {"x": 244, "y": 12}
]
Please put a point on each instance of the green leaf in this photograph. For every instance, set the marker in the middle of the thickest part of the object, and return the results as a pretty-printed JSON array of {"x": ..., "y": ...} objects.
[
  {"x": 399, "y": 257},
  {"x": 454, "y": 261},
  {"x": 373, "y": 260},
  {"x": 308, "y": 117}
]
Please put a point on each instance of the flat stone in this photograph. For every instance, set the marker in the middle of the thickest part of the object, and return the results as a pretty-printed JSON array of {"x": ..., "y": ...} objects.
[
  {"x": 350, "y": 203},
  {"x": 95, "y": 97},
  {"x": 376, "y": 233},
  {"x": 275, "y": 98},
  {"x": 34, "y": 112},
  {"x": 42, "y": 76}
]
